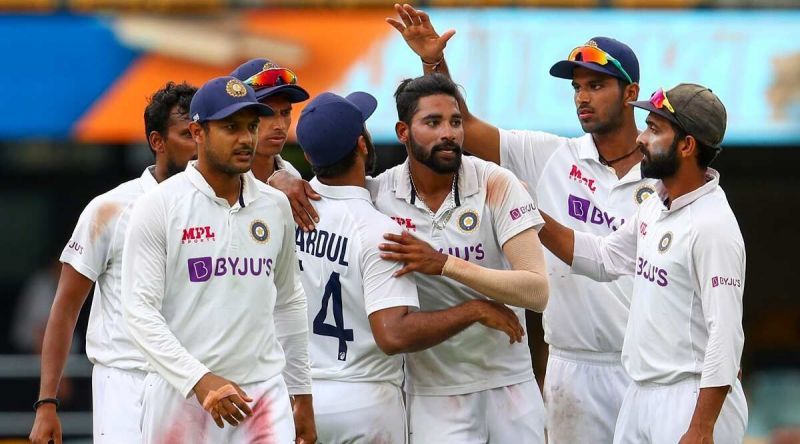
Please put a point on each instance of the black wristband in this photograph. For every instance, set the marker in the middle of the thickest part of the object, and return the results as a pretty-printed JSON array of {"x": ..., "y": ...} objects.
[{"x": 46, "y": 401}]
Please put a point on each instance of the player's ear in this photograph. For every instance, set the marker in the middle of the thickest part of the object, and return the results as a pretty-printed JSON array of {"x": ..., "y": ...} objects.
[
  {"x": 688, "y": 147},
  {"x": 156, "y": 141},
  {"x": 362, "y": 146},
  {"x": 401, "y": 129},
  {"x": 631, "y": 92},
  {"x": 198, "y": 135}
]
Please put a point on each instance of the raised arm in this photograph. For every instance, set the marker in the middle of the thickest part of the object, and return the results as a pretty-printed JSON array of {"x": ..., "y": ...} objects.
[{"x": 480, "y": 138}]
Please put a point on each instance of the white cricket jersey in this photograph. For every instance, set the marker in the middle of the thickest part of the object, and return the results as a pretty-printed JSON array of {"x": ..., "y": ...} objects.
[
  {"x": 284, "y": 165},
  {"x": 346, "y": 280},
  {"x": 574, "y": 188},
  {"x": 209, "y": 286},
  {"x": 488, "y": 208},
  {"x": 95, "y": 251},
  {"x": 688, "y": 263}
]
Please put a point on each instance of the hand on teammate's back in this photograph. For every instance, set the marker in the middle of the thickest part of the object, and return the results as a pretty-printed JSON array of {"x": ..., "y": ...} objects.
[
  {"x": 499, "y": 317},
  {"x": 299, "y": 192},
  {"x": 232, "y": 408},
  {"x": 46, "y": 426},
  {"x": 416, "y": 28}
]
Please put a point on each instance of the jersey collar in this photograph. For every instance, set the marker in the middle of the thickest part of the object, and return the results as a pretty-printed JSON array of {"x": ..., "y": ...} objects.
[
  {"x": 148, "y": 179},
  {"x": 340, "y": 192},
  {"x": 712, "y": 182},
  {"x": 467, "y": 180},
  {"x": 587, "y": 149},
  {"x": 249, "y": 186}
]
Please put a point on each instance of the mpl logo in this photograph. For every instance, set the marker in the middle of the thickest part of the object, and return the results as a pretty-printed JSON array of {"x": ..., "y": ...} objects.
[
  {"x": 584, "y": 211},
  {"x": 576, "y": 175},
  {"x": 516, "y": 213},
  {"x": 405, "y": 222},
  {"x": 202, "y": 268},
  {"x": 198, "y": 234}
]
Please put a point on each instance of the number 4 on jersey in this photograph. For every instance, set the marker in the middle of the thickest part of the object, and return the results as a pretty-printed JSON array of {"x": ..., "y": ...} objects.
[{"x": 333, "y": 288}]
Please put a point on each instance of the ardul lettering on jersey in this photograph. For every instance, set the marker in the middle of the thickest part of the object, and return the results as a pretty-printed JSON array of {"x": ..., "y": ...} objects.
[{"x": 322, "y": 244}]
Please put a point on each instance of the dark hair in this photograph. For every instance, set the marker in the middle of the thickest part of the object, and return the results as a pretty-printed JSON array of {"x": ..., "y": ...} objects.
[
  {"x": 156, "y": 114},
  {"x": 705, "y": 154},
  {"x": 339, "y": 168},
  {"x": 410, "y": 91},
  {"x": 342, "y": 165}
]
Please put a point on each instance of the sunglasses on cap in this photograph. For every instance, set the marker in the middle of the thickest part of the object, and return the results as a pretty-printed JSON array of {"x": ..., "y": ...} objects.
[
  {"x": 271, "y": 77},
  {"x": 659, "y": 100},
  {"x": 594, "y": 54}
]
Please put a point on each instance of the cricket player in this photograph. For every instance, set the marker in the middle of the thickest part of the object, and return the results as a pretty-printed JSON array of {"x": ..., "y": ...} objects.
[
  {"x": 93, "y": 255},
  {"x": 591, "y": 183},
  {"x": 470, "y": 233},
  {"x": 683, "y": 343},
  {"x": 363, "y": 317},
  {"x": 211, "y": 292},
  {"x": 277, "y": 88}
]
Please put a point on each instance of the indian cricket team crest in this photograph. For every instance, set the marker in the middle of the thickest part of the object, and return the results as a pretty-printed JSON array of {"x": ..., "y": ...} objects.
[
  {"x": 468, "y": 221},
  {"x": 591, "y": 43},
  {"x": 235, "y": 88},
  {"x": 665, "y": 242},
  {"x": 259, "y": 231},
  {"x": 643, "y": 193},
  {"x": 269, "y": 65}
]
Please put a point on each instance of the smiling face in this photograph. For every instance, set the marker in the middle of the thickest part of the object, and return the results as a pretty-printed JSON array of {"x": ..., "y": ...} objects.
[
  {"x": 228, "y": 145},
  {"x": 274, "y": 130},
  {"x": 435, "y": 135},
  {"x": 599, "y": 101}
]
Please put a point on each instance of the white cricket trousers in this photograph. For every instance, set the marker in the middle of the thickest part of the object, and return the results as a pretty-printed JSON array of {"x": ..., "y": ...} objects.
[
  {"x": 660, "y": 414},
  {"x": 359, "y": 412},
  {"x": 511, "y": 414},
  {"x": 583, "y": 392},
  {"x": 169, "y": 418},
  {"x": 116, "y": 405}
]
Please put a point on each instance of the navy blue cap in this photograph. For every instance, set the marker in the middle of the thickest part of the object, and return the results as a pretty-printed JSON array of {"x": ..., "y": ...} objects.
[
  {"x": 329, "y": 126},
  {"x": 620, "y": 51},
  {"x": 252, "y": 67},
  {"x": 223, "y": 96}
]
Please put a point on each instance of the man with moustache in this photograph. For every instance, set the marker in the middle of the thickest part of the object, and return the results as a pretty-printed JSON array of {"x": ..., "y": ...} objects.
[
  {"x": 211, "y": 290},
  {"x": 683, "y": 343},
  {"x": 94, "y": 256},
  {"x": 471, "y": 233},
  {"x": 363, "y": 318},
  {"x": 591, "y": 183}
]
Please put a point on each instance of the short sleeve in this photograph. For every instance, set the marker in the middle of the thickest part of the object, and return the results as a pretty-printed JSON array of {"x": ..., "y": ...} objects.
[
  {"x": 525, "y": 153},
  {"x": 89, "y": 246},
  {"x": 512, "y": 207},
  {"x": 381, "y": 289}
]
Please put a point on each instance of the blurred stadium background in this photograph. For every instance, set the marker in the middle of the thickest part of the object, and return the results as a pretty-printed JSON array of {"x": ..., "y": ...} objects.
[{"x": 75, "y": 76}]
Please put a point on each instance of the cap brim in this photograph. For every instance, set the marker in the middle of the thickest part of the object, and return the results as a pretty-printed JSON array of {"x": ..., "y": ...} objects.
[
  {"x": 564, "y": 69},
  {"x": 365, "y": 103},
  {"x": 663, "y": 112},
  {"x": 261, "y": 109},
  {"x": 294, "y": 93}
]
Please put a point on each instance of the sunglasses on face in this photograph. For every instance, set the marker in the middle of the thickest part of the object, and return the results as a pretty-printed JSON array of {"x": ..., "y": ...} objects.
[
  {"x": 659, "y": 100},
  {"x": 269, "y": 78},
  {"x": 596, "y": 55}
]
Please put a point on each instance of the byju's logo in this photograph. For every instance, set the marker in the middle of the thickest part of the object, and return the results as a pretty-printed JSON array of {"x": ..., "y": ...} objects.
[
  {"x": 716, "y": 281},
  {"x": 576, "y": 175},
  {"x": 516, "y": 213},
  {"x": 583, "y": 210},
  {"x": 198, "y": 234},
  {"x": 202, "y": 268}
]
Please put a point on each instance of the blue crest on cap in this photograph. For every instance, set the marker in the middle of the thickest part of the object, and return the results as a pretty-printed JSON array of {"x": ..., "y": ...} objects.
[
  {"x": 222, "y": 96},
  {"x": 620, "y": 51},
  {"x": 330, "y": 125}
]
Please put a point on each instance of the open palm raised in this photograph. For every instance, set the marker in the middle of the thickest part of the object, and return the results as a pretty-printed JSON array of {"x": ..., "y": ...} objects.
[{"x": 416, "y": 28}]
